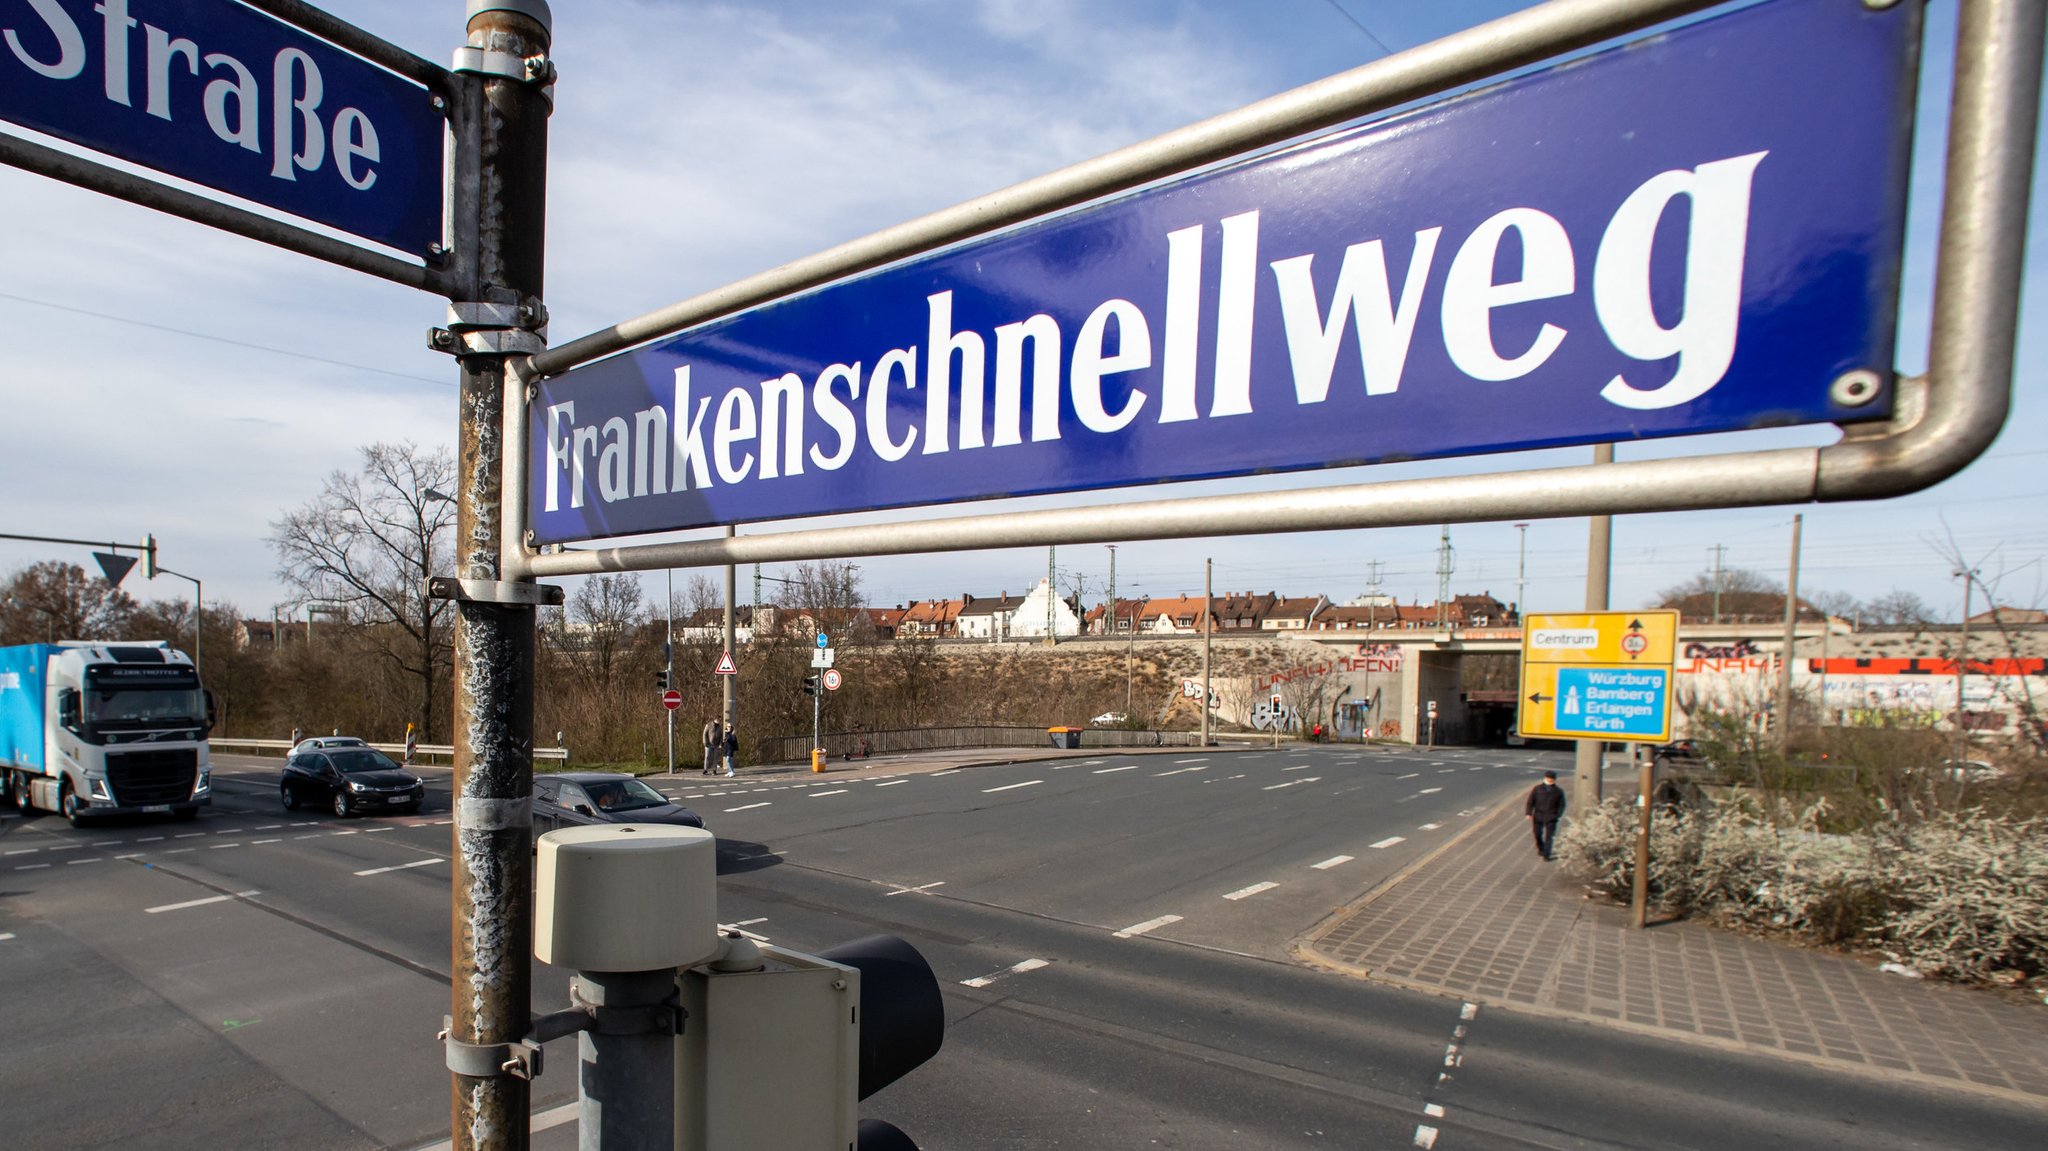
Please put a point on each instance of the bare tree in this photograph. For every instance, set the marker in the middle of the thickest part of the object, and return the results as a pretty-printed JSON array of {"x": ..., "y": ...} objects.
[
  {"x": 607, "y": 610},
  {"x": 369, "y": 541},
  {"x": 1897, "y": 607},
  {"x": 53, "y": 601}
]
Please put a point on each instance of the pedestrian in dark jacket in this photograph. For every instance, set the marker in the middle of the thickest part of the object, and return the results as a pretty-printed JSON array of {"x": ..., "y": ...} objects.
[
  {"x": 732, "y": 748},
  {"x": 1544, "y": 809}
]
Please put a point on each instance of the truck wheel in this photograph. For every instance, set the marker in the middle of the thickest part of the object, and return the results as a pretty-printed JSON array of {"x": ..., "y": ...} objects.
[
  {"x": 342, "y": 807},
  {"x": 67, "y": 802},
  {"x": 288, "y": 797},
  {"x": 17, "y": 786}
]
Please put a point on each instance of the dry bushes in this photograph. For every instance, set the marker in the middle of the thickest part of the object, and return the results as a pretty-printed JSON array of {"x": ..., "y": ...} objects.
[{"x": 1962, "y": 894}]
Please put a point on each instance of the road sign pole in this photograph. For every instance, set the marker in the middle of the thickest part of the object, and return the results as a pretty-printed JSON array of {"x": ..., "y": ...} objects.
[
  {"x": 1588, "y": 756},
  {"x": 500, "y": 186},
  {"x": 1646, "y": 770},
  {"x": 668, "y": 655},
  {"x": 729, "y": 684}
]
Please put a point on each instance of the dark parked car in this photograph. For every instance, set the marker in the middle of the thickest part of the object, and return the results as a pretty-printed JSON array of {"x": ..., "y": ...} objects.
[
  {"x": 579, "y": 798},
  {"x": 349, "y": 781}
]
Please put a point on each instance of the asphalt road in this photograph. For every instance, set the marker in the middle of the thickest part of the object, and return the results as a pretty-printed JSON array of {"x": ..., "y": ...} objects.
[{"x": 1112, "y": 936}]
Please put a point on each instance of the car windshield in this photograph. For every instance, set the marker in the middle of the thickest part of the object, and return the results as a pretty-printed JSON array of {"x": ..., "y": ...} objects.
[
  {"x": 623, "y": 795},
  {"x": 352, "y": 760}
]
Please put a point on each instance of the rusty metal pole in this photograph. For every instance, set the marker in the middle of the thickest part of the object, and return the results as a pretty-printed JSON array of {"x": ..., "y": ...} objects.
[
  {"x": 501, "y": 124},
  {"x": 1589, "y": 761}
]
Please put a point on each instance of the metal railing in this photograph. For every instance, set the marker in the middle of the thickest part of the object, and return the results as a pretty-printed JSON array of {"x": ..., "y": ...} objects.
[
  {"x": 796, "y": 748},
  {"x": 422, "y": 753}
]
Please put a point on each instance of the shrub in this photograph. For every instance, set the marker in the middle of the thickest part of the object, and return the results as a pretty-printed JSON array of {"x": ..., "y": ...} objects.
[{"x": 1962, "y": 895}]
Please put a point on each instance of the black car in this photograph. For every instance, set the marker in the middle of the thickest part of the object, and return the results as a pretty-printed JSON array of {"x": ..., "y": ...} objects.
[
  {"x": 580, "y": 798},
  {"x": 350, "y": 781}
]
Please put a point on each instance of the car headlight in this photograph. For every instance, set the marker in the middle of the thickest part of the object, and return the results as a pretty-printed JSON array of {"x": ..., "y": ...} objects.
[{"x": 358, "y": 787}]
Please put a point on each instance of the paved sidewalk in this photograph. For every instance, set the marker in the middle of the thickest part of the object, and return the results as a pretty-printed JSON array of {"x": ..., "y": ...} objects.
[{"x": 1484, "y": 918}]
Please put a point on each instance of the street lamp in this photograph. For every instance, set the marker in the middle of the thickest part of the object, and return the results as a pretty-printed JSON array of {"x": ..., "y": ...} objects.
[{"x": 198, "y": 613}]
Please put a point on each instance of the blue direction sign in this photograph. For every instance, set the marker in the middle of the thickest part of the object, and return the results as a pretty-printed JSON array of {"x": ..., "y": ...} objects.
[
  {"x": 1698, "y": 232},
  {"x": 1613, "y": 701},
  {"x": 224, "y": 96}
]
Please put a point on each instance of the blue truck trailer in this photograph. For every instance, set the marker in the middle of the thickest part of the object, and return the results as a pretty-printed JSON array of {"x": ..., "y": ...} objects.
[{"x": 100, "y": 728}]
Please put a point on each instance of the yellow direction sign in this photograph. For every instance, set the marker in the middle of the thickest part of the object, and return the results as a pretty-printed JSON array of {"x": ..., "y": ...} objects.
[{"x": 1597, "y": 675}]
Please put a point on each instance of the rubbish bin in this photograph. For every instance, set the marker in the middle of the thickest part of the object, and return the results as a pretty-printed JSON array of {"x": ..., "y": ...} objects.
[
  {"x": 817, "y": 759},
  {"x": 1065, "y": 737}
]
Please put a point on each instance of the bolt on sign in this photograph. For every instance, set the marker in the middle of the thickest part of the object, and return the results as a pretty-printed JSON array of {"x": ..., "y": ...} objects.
[
  {"x": 1598, "y": 675},
  {"x": 1696, "y": 232}
]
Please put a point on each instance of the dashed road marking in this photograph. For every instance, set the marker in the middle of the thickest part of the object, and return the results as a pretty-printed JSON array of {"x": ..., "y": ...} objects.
[
  {"x": 893, "y": 783},
  {"x": 76, "y": 862},
  {"x": 1113, "y": 770},
  {"x": 1410, "y": 775},
  {"x": 196, "y": 902},
  {"x": 1298, "y": 767},
  {"x": 1013, "y": 969},
  {"x": 1291, "y": 783},
  {"x": 403, "y": 866},
  {"x": 749, "y": 806},
  {"x": 223, "y": 846},
  {"x": 918, "y": 890},
  {"x": 1176, "y": 771},
  {"x": 1148, "y": 925},
  {"x": 1254, "y": 889},
  {"x": 189, "y": 835},
  {"x": 1429, "y": 791},
  {"x": 5, "y": 936},
  {"x": 1390, "y": 841},
  {"x": 261, "y": 842},
  {"x": 1010, "y": 786},
  {"x": 1197, "y": 759},
  {"x": 1429, "y": 827},
  {"x": 1433, "y": 1110},
  {"x": 31, "y": 850},
  {"x": 822, "y": 794},
  {"x": 1333, "y": 861},
  {"x": 1425, "y": 1136},
  {"x": 30, "y": 866}
]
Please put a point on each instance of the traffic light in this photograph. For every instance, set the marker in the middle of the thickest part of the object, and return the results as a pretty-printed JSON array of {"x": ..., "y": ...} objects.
[
  {"x": 781, "y": 1047},
  {"x": 811, "y": 685},
  {"x": 661, "y": 679}
]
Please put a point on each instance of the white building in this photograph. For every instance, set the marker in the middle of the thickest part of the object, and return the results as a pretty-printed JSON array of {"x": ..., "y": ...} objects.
[{"x": 1028, "y": 619}]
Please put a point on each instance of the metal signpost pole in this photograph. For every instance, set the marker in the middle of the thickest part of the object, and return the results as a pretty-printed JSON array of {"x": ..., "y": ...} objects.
[
  {"x": 1791, "y": 638},
  {"x": 1208, "y": 571},
  {"x": 668, "y": 659},
  {"x": 1587, "y": 764},
  {"x": 1646, "y": 771},
  {"x": 728, "y": 706},
  {"x": 501, "y": 125}
]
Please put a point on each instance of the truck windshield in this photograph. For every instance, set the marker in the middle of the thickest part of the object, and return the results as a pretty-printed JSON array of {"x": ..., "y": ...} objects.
[{"x": 126, "y": 708}]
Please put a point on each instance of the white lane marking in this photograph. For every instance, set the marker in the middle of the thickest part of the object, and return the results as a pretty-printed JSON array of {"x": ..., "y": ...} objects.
[
  {"x": 261, "y": 842},
  {"x": 375, "y": 830},
  {"x": 197, "y": 902},
  {"x": 1433, "y": 1110},
  {"x": 1013, "y": 969},
  {"x": 1390, "y": 841},
  {"x": 1410, "y": 775},
  {"x": 1291, "y": 783},
  {"x": 1425, "y": 1136},
  {"x": 1429, "y": 791},
  {"x": 267, "y": 827},
  {"x": 437, "y": 823},
  {"x": 1429, "y": 827},
  {"x": 1148, "y": 925},
  {"x": 917, "y": 890},
  {"x": 540, "y": 1121},
  {"x": 1176, "y": 771},
  {"x": 749, "y": 922},
  {"x": 1112, "y": 770},
  {"x": 1010, "y": 786},
  {"x": 189, "y": 835},
  {"x": 403, "y": 866},
  {"x": 1298, "y": 767},
  {"x": 311, "y": 835},
  {"x": 1197, "y": 759},
  {"x": 350, "y": 831},
  {"x": 1248, "y": 892},
  {"x": 33, "y": 850},
  {"x": 76, "y": 862},
  {"x": 150, "y": 839},
  {"x": 1482, "y": 768},
  {"x": 30, "y": 866},
  {"x": 1333, "y": 861},
  {"x": 180, "y": 850},
  {"x": 1446, "y": 771},
  {"x": 948, "y": 771},
  {"x": 1469, "y": 1011},
  {"x": 136, "y": 855},
  {"x": 223, "y": 846},
  {"x": 821, "y": 794},
  {"x": 749, "y": 806},
  {"x": 893, "y": 783},
  {"x": 68, "y": 847},
  {"x": 5, "y": 936}
]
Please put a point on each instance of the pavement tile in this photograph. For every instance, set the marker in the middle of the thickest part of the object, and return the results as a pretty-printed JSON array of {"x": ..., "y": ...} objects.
[{"x": 1524, "y": 933}]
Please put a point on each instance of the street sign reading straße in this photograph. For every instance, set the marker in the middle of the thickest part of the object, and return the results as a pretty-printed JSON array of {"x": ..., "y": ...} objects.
[
  {"x": 219, "y": 94},
  {"x": 1697, "y": 232}
]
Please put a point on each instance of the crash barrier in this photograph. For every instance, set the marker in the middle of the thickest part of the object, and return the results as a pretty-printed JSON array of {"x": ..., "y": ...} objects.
[
  {"x": 797, "y": 748},
  {"x": 422, "y": 753}
]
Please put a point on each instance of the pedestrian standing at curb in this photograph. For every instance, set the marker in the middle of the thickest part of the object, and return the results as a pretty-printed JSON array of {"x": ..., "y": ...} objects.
[
  {"x": 1544, "y": 809},
  {"x": 732, "y": 747},
  {"x": 714, "y": 744}
]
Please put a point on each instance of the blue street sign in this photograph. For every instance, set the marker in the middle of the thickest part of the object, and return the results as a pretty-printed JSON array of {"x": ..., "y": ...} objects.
[
  {"x": 824, "y": 640},
  {"x": 1697, "y": 232},
  {"x": 216, "y": 93},
  {"x": 1612, "y": 701}
]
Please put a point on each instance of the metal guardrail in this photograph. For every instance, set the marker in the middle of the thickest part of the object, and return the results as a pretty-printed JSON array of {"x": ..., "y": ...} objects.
[
  {"x": 795, "y": 748},
  {"x": 434, "y": 752}
]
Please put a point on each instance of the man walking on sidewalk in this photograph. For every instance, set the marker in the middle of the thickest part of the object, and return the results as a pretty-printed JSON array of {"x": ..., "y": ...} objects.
[
  {"x": 714, "y": 744},
  {"x": 1544, "y": 809}
]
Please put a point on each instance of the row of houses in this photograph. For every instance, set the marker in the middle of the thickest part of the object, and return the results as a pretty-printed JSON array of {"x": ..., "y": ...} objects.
[{"x": 1042, "y": 611}]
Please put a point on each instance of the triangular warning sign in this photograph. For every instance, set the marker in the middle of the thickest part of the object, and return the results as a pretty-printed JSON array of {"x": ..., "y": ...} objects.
[{"x": 726, "y": 666}]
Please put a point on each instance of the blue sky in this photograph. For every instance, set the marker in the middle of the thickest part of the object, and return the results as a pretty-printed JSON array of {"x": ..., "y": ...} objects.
[{"x": 161, "y": 377}]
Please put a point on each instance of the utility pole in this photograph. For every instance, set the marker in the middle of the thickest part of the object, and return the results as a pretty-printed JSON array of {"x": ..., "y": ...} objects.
[
  {"x": 1208, "y": 571},
  {"x": 1521, "y": 570},
  {"x": 1791, "y": 638},
  {"x": 498, "y": 219},
  {"x": 1717, "y": 549},
  {"x": 1586, "y": 764},
  {"x": 1969, "y": 578},
  {"x": 1109, "y": 609},
  {"x": 1444, "y": 567},
  {"x": 729, "y": 701},
  {"x": 668, "y": 660}
]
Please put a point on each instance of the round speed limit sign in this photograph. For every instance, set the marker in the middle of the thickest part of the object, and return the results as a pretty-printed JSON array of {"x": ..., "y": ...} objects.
[{"x": 832, "y": 679}]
